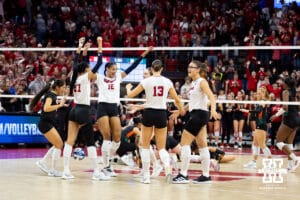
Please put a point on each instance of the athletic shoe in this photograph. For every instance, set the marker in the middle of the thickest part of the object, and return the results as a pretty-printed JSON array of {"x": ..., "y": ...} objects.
[
  {"x": 146, "y": 178},
  {"x": 156, "y": 171},
  {"x": 54, "y": 173},
  {"x": 202, "y": 179},
  {"x": 180, "y": 179},
  {"x": 251, "y": 165},
  {"x": 42, "y": 165},
  {"x": 127, "y": 160},
  {"x": 100, "y": 176},
  {"x": 214, "y": 165},
  {"x": 67, "y": 176},
  {"x": 108, "y": 171}
]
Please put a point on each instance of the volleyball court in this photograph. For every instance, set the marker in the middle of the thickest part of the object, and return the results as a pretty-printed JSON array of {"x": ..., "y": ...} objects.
[{"x": 235, "y": 76}]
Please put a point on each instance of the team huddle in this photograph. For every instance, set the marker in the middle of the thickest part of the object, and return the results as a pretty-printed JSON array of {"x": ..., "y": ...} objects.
[{"x": 151, "y": 126}]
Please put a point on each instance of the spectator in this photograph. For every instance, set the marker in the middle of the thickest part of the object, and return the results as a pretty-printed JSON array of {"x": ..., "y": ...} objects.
[{"x": 36, "y": 85}]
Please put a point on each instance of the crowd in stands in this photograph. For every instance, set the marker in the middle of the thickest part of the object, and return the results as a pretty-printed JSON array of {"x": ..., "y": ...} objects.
[{"x": 142, "y": 23}]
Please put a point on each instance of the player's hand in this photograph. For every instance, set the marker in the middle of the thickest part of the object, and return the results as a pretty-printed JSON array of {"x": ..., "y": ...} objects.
[
  {"x": 129, "y": 86},
  {"x": 174, "y": 116},
  {"x": 99, "y": 39},
  {"x": 214, "y": 115},
  {"x": 147, "y": 51},
  {"x": 81, "y": 42}
]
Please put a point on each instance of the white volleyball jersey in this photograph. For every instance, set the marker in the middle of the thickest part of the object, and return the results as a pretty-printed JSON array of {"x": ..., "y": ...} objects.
[
  {"x": 198, "y": 99},
  {"x": 82, "y": 90},
  {"x": 156, "y": 89},
  {"x": 109, "y": 88}
]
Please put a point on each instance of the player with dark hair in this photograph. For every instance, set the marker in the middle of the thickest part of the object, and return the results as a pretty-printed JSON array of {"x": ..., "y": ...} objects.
[
  {"x": 79, "y": 117},
  {"x": 290, "y": 123},
  {"x": 157, "y": 88},
  {"x": 47, "y": 122},
  {"x": 107, "y": 112},
  {"x": 195, "y": 128}
]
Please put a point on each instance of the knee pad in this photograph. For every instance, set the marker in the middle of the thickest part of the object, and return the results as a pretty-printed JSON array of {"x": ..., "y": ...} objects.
[{"x": 280, "y": 145}]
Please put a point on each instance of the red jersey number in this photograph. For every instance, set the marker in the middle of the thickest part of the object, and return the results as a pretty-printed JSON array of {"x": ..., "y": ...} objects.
[
  {"x": 111, "y": 86},
  {"x": 158, "y": 91},
  {"x": 77, "y": 88}
]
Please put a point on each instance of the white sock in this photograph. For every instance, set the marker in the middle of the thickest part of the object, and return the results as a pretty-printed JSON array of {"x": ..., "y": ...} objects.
[
  {"x": 67, "y": 154},
  {"x": 165, "y": 159},
  {"x": 255, "y": 150},
  {"x": 92, "y": 154},
  {"x": 55, "y": 156},
  {"x": 290, "y": 164},
  {"x": 145, "y": 156},
  {"x": 185, "y": 159},
  {"x": 153, "y": 158},
  {"x": 267, "y": 152},
  {"x": 50, "y": 150},
  {"x": 114, "y": 148},
  {"x": 293, "y": 156},
  {"x": 194, "y": 158},
  {"x": 205, "y": 160},
  {"x": 105, "y": 149}
]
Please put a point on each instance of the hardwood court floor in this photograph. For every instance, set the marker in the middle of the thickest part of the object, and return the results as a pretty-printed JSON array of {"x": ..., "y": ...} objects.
[{"x": 21, "y": 179}]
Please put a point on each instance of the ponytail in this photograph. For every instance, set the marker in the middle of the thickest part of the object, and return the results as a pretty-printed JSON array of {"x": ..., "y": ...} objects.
[
  {"x": 39, "y": 95},
  {"x": 52, "y": 84}
]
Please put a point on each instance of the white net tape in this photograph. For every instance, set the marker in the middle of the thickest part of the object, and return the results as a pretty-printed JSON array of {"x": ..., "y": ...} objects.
[
  {"x": 170, "y": 100},
  {"x": 159, "y": 48}
]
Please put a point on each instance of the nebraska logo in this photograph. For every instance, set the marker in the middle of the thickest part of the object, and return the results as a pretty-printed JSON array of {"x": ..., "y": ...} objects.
[{"x": 272, "y": 170}]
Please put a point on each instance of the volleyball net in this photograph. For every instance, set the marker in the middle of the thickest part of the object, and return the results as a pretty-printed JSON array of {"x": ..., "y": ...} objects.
[
  {"x": 22, "y": 67},
  {"x": 24, "y": 71}
]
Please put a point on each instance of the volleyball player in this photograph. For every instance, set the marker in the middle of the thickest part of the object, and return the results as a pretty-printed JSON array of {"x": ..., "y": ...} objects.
[
  {"x": 107, "y": 112},
  {"x": 61, "y": 124},
  {"x": 154, "y": 119},
  {"x": 128, "y": 140},
  {"x": 47, "y": 122},
  {"x": 79, "y": 117},
  {"x": 290, "y": 123},
  {"x": 195, "y": 128},
  {"x": 261, "y": 114}
]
